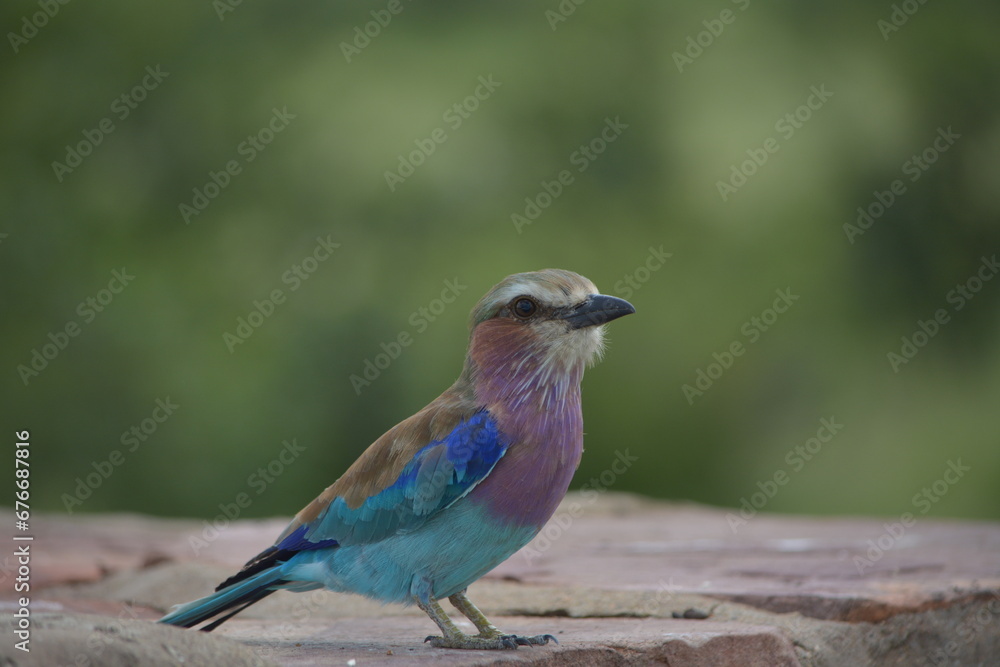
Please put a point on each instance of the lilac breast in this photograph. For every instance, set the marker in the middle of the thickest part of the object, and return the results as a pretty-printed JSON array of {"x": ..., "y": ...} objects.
[
  {"x": 531, "y": 479},
  {"x": 535, "y": 400}
]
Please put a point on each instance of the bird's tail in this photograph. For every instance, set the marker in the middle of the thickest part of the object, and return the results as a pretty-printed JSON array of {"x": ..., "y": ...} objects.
[{"x": 238, "y": 595}]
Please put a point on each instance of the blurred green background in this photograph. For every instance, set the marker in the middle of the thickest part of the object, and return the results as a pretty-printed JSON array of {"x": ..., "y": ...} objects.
[{"x": 698, "y": 85}]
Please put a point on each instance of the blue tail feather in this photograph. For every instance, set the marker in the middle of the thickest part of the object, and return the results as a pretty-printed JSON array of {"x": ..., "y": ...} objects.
[{"x": 239, "y": 596}]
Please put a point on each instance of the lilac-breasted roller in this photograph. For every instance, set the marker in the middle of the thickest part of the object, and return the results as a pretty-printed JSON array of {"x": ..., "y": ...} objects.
[{"x": 451, "y": 492}]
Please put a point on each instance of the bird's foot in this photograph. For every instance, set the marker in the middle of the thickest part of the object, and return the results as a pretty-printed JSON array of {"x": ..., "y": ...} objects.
[
  {"x": 489, "y": 637},
  {"x": 489, "y": 642},
  {"x": 537, "y": 640}
]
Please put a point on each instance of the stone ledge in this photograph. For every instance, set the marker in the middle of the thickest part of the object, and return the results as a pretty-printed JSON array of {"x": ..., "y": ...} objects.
[
  {"x": 83, "y": 639},
  {"x": 607, "y": 575},
  {"x": 589, "y": 641}
]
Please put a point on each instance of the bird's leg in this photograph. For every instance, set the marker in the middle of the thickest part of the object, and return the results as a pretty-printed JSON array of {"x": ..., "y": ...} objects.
[
  {"x": 452, "y": 637},
  {"x": 490, "y": 638},
  {"x": 451, "y": 634},
  {"x": 489, "y": 631},
  {"x": 478, "y": 618}
]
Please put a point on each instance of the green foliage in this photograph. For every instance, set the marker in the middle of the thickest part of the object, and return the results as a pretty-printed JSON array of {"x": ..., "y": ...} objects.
[{"x": 821, "y": 104}]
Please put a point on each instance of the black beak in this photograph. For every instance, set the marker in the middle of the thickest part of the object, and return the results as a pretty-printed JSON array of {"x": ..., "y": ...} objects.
[{"x": 597, "y": 309}]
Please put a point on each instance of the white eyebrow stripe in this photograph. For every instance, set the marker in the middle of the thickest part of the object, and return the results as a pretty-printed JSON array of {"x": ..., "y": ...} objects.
[
  {"x": 516, "y": 289},
  {"x": 549, "y": 296}
]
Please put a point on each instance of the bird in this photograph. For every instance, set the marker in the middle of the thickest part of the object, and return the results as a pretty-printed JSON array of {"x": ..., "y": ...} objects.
[{"x": 449, "y": 493}]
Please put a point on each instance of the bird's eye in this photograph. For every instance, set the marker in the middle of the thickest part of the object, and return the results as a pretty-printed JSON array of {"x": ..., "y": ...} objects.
[{"x": 524, "y": 308}]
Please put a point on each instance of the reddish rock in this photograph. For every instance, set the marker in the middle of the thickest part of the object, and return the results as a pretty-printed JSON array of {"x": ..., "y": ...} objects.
[{"x": 606, "y": 577}]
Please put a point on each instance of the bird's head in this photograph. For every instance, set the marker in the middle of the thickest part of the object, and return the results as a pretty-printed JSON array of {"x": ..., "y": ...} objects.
[{"x": 541, "y": 326}]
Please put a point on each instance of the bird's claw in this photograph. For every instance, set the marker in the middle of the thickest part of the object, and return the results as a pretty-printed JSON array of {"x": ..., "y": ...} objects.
[{"x": 537, "y": 640}]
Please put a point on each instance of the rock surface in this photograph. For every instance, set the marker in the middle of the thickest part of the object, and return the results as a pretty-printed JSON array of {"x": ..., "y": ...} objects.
[
  {"x": 607, "y": 577},
  {"x": 82, "y": 639}
]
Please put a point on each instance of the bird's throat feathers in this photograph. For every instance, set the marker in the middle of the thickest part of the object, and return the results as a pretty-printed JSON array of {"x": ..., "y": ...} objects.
[
  {"x": 525, "y": 380},
  {"x": 512, "y": 364}
]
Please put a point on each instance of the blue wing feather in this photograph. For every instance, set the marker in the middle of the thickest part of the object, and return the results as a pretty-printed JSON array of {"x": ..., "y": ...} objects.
[
  {"x": 296, "y": 541},
  {"x": 439, "y": 474}
]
